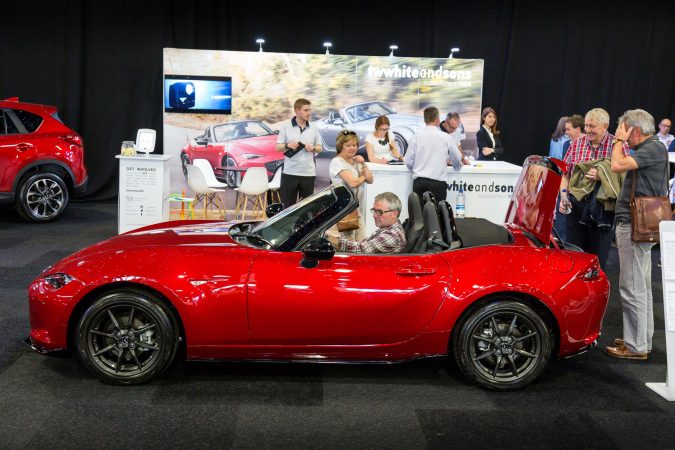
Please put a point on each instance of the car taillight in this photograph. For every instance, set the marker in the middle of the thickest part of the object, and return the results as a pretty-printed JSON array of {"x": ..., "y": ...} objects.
[
  {"x": 592, "y": 273},
  {"x": 73, "y": 139}
]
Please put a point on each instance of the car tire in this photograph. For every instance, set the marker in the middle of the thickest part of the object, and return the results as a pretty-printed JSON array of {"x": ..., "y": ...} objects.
[
  {"x": 126, "y": 337},
  {"x": 502, "y": 345},
  {"x": 401, "y": 143},
  {"x": 42, "y": 197},
  {"x": 230, "y": 177},
  {"x": 184, "y": 162}
]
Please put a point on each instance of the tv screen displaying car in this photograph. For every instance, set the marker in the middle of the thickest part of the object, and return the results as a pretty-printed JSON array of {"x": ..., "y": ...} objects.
[{"x": 195, "y": 94}]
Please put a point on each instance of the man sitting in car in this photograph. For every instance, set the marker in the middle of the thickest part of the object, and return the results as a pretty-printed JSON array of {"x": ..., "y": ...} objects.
[{"x": 389, "y": 237}]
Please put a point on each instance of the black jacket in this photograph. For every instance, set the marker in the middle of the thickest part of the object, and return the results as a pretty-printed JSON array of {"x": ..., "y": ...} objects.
[{"x": 483, "y": 140}]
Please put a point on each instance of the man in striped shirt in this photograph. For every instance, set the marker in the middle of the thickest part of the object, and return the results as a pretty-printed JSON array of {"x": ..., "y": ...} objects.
[
  {"x": 389, "y": 237},
  {"x": 593, "y": 238}
]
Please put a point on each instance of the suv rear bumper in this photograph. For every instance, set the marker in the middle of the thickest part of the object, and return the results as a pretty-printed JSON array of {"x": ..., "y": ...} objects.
[
  {"x": 6, "y": 198},
  {"x": 81, "y": 188}
]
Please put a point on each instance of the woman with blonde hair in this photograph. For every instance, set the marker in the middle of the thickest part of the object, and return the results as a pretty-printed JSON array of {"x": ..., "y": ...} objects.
[
  {"x": 487, "y": 138},
  {"x": 350, "y": 169},
  {"x": 380, "y": 144}
]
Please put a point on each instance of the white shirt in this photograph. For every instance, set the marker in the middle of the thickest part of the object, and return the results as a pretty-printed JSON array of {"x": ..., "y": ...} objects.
[
  {"x": 339, "y": 164},
  {"x": 667, "y": 139},
  {"x": 381, "y": 150},
  {"x": 429, "y": 152},
  {"x": 302, "y": 163}
]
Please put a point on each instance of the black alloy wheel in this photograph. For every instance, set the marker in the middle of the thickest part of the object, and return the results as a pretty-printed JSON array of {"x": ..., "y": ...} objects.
[
  {"x": 42, "y": 197},
  {"x": 184, "y": 162},
  {"x": 126, "y": 337},
  {"x": 503, "y": 345},
  {"x": 230, "y": 176}
]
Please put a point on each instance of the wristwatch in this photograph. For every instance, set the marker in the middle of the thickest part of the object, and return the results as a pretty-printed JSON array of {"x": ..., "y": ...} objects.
[{"x": 617, "y": 140}]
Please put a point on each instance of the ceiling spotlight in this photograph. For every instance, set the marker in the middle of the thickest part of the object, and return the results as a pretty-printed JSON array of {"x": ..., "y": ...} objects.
[
  {"x": 453, "y": 50},
  {"x": 260, "y": 42},
  {"x": 392, "y": 48},
  {"x": 327, "y": 45}
]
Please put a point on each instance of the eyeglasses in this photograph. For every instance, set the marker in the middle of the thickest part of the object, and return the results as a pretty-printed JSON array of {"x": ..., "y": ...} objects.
[
  {"x": 379, "y": 212},
  {"x": 347, "y": 133},
  {"x": 383, "y": 129}
]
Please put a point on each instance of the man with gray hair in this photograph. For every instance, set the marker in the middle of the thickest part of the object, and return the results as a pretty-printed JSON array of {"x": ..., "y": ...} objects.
[
  {"x": 453, "y": 126},
  {"x": 595, "y": 234},
  {"x": 389, "y": 236},
  {"x": 647, "y": 167}
]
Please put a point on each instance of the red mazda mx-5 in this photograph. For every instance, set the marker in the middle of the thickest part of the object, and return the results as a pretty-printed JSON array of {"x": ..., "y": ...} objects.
[
  {"x": 501, "y": 299},
  {"x": 246, "y": 143}
]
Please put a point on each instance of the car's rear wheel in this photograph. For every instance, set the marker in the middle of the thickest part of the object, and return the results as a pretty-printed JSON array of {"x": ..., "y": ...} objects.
[
  {"x": 230, "y": 176},
  {"x": 503, "y": 345},
  {"x": 126, "y": 337},
  {"x": 401, "y": 143},
  {"x": 42, "y": 197},
  {"x": 184, "y": 162}
]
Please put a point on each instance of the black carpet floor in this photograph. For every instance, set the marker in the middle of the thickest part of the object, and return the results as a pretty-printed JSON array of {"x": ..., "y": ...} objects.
[{"x": 591, "y": 401}]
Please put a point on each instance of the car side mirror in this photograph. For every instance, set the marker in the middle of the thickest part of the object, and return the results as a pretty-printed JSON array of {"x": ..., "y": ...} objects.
[
  {"x": 274, "y": 209},
  {"x": 276, "y": 131},
  {"x": 338, "y": 121},
  {"x": 317, "y": 250},
  {"x": 202, "y": 141}
]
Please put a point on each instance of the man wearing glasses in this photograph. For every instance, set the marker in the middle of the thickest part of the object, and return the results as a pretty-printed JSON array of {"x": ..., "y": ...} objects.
[
  {"x": 451, "y": 125},
  {"x": 389, "y": 236}
]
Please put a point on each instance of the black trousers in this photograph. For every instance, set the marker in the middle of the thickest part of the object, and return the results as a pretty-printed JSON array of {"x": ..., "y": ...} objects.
[
  {"x": 438, "y": 188},
  {"x": 293, "y": 186},
  {"x": 589, "y": 238}
]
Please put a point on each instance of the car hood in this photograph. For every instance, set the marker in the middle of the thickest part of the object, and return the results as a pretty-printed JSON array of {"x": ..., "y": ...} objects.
[
  {"x": 532, "y": 205},
  {"x": 260, "y": 144}
]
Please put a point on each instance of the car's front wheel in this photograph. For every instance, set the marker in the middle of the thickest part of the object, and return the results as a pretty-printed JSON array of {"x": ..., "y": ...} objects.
[
  {"x": 231, "y": 176},
  {"x": 42, "y": 197},
  {"x": 184, "y": 162},
  {"x": 503, "y": 345},
  {"x": 401, "y": 143},
  {"x": 126, "y": 337}
]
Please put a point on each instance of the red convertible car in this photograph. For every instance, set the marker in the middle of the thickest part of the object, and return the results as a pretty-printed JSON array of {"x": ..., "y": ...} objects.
[
  {"x": 246, "y": 143},
  {"x": 501, "y": 299}
]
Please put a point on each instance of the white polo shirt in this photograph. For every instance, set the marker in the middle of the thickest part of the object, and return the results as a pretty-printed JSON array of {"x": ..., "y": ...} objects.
[{"x": 302, "y": 163}]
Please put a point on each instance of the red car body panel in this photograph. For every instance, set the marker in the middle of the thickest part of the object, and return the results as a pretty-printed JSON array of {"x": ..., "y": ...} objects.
[
  {"x": 51, "y": 142},
  {"x": 237, "y": 301}
]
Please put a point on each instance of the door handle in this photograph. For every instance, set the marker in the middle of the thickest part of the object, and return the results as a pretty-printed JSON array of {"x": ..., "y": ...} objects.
[
  {"x": 22, "y": 147},
  {"x": 415, "y": 271}
]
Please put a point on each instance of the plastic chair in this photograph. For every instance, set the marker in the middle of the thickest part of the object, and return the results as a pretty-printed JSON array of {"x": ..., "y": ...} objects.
[
  {"x": 204, "y": 193},
  {"x": 207, "y": 170},
  {"x": 252, "y": 191},
  {"x": 275, "y": 185}
]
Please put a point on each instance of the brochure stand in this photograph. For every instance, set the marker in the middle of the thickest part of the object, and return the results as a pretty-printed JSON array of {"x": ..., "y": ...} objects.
[
  {"x": 143, "y": 191},
  {"x": 667, "y": 235}
]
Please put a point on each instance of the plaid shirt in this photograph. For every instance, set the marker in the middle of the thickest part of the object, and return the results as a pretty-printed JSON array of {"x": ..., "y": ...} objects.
[
  {"x": 390, "y": 239},
  {"x": 581, "y": 151}
]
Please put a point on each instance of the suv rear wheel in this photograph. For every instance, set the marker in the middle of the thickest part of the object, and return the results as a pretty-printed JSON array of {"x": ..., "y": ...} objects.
[{"x": 42, "y": 197}]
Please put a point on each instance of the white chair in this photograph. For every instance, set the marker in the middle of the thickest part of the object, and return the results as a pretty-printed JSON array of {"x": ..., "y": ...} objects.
[
  {"x": 253, "y": 190},
  {"x": 275, "y": 185},
  {"x": 204, "y": 193},
  {"x": 207, "y": 170}
]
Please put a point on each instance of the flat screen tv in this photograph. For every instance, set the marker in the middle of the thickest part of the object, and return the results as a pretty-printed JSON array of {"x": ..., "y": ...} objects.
[{"x": 196, "y": 94}]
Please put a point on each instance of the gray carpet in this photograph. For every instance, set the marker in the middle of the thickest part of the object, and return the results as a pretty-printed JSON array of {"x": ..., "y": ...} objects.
[{"x": 592, "y": 401}]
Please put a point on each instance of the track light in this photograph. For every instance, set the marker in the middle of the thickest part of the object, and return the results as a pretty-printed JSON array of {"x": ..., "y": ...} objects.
[
  {"x": 260, "y": 42},
  {"x": 392, "y": 48},
  {"x": 327, "y": 45},
  {"x": 453, "y": 50}
]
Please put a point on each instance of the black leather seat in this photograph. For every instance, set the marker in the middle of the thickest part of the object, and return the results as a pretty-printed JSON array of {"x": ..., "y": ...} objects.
[
  {"x": 448, "y": 225},
  {"x": 433, "y": 237},
  {"x": 429, "y": 197},
  {"x": 414, "y": 227}
]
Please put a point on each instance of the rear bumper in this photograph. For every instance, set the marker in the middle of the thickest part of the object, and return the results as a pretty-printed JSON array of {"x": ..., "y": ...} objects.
[{"x": 81, "y": 188}]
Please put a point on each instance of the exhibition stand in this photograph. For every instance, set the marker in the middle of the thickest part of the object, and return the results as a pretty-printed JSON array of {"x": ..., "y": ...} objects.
[
  {"x": 488, "y": 187},
  {"x": 667, "y": 239},
  {"x": 143, "y": 191}
]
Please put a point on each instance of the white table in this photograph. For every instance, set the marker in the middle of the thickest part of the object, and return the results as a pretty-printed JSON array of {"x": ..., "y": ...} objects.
[
  {"x": 488, "y": 187},
  {"x": 143, "y": 191}
]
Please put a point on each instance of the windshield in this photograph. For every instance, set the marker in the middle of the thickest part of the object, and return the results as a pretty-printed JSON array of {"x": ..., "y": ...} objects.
[
  {"x": 291, "y": 225},
  {"x": 240, "y": 130},
  {"x": 367, "y": 111}
]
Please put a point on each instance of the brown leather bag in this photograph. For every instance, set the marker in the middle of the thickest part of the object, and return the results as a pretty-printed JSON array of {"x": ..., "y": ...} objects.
[
  {"x": 646, "y": 213},
  {"x": 349, "y": 222}
]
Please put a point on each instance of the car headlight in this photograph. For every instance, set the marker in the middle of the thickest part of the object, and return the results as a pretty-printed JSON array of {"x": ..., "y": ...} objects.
[
  {"x": 58, "y": 280},
  {"x": 251, "y": 155}
]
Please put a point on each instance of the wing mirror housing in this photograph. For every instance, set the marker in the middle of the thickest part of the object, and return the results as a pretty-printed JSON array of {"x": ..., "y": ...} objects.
[
  {"x": 317, "y": 250},
  {"x": 274, "y": 209},
  {"x": 202, "y": 141}
]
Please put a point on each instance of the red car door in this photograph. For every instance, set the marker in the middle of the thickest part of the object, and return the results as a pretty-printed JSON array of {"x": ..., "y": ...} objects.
[{"x": 351, "y": 299}]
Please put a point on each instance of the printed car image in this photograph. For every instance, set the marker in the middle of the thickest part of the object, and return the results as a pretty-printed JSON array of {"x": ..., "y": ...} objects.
[
  {"x": 41, "y": 160},
  {"x": 276, "y": 290},
  {"x": 241, "y": 144},
  {"x": 361, "y": 119}
]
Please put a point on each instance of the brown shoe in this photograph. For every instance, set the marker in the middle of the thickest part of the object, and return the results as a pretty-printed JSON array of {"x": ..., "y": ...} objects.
[
  {"x": 618, "y": 342},
  {"x": 622, "y": 351}
]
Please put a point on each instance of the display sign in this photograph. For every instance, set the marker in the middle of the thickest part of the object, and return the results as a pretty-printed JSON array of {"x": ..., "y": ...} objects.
[{"x": 197, "y": 94}]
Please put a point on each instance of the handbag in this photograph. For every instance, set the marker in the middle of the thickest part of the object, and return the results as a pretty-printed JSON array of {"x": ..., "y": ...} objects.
[
  {"x": 350, "y": 222},
  {"x": 646, "y": 213}
]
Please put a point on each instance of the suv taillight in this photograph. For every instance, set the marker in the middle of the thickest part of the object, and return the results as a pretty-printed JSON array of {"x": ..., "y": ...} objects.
[{"x": 73, "y": 139}]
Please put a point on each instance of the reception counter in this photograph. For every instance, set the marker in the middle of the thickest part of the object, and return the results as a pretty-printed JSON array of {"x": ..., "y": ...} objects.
[{"x": 488, "y": 186}]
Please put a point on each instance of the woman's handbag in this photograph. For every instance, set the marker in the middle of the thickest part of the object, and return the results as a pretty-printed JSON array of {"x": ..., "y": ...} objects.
[
  {"x": 646, "y": 213},
  {"x": 350, "y": 222}
]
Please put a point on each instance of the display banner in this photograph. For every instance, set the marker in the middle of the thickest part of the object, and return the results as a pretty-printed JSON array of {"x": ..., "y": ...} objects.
[{"x": 346, "y": 92}]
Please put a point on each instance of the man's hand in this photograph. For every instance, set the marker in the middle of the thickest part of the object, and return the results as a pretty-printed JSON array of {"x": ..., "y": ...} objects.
[
  {"x": 292, "y": 144},
  {"x": 488, "y": 150},
  {"x": 592, "y": 174},
  {"x": 622, "y": 133},
  {"x": 358, "y": 159},
  {"x": 565, "y": 205}
]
